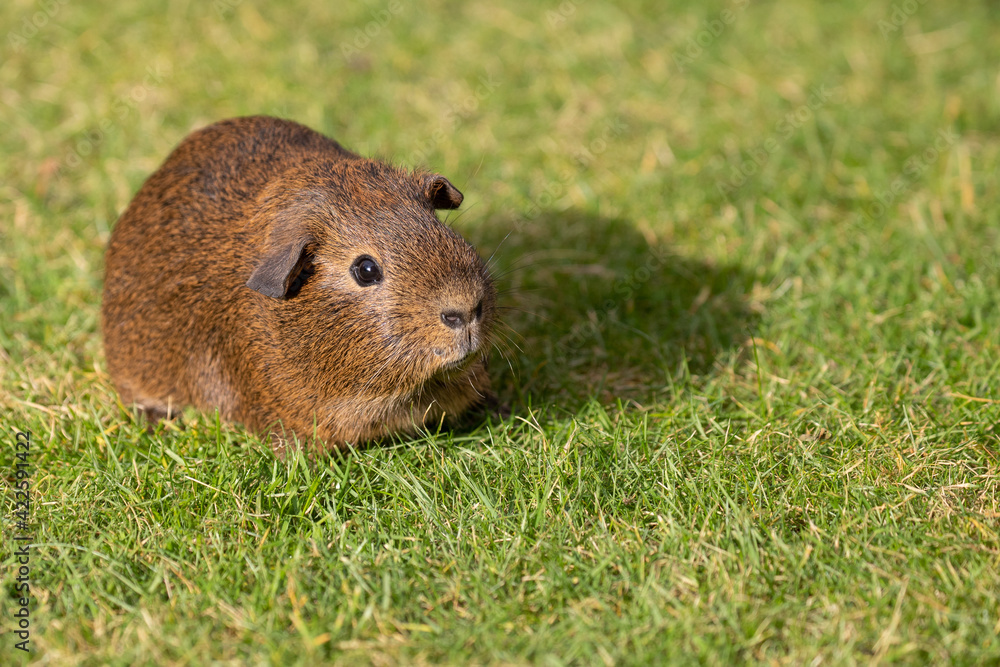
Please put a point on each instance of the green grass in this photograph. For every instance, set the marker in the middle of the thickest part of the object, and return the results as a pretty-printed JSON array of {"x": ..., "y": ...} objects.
[{"x": 756, "y": 416}]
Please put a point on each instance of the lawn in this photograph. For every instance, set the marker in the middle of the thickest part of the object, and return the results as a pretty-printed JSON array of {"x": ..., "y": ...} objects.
[{"x": 750, "y": 262}]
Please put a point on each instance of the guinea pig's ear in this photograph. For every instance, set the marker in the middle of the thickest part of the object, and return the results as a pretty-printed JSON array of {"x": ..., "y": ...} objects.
[
  {"x": 441, "y": 193},
  {"x": 283, "y": 259}
]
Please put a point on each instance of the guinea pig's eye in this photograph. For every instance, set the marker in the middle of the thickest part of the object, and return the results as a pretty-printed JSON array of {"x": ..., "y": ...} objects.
[{"x": 365, "y": 271}]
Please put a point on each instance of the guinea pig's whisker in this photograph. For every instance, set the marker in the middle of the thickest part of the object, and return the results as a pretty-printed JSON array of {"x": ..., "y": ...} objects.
[
  {"x": 374, "y": 377},
  {"x": 532, "y": 313},
  {"x": 507, "y": 339},
  {"x": 472, "y": 384},
  {"x": 525, "y": 261},
  {"x": 482, "y": 161},
  {"x": 504, "y": 356},
  {"x": 489, "y": 262},
  {"x": 503, "y": 326}
]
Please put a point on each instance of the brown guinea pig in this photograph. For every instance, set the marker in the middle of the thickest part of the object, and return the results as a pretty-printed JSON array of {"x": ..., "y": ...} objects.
[{"x": 298, "y": 288}]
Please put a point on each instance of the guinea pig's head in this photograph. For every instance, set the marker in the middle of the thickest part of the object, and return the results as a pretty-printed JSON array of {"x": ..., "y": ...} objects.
[{"x": 369, "y": 292}]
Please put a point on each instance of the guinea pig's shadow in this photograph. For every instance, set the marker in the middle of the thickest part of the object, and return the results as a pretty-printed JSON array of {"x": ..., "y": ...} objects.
[{"x": 591, "y": 309}]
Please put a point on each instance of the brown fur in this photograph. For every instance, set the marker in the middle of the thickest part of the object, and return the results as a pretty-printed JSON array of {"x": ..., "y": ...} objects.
[{"x": 228, "y": 285}]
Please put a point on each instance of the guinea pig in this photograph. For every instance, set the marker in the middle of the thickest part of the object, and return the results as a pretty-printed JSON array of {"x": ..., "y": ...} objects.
[{"x": 300, "y": 289}]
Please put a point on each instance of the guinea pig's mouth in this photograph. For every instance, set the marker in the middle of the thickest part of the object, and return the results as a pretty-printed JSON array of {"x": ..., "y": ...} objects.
[{"x": 455, "y": 367}]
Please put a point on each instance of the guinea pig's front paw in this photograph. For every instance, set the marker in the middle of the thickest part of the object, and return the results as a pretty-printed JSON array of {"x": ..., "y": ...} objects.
[
  {"x": 490, "y": 408},
  {"x": 494, "y": 408},
  {"x": 153, "y": 416}
]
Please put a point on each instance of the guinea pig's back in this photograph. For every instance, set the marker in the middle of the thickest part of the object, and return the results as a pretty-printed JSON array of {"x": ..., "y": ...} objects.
[
  {"x": 219, "y": 170},
  {"x": 174, "y": 267},
  {"x": 233, "y": 160}
]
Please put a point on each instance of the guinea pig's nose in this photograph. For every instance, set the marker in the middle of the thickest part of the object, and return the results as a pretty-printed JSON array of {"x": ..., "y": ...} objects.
[
  {"x": 453, "y": 319},
  {"x": 456, "y": 319}
]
